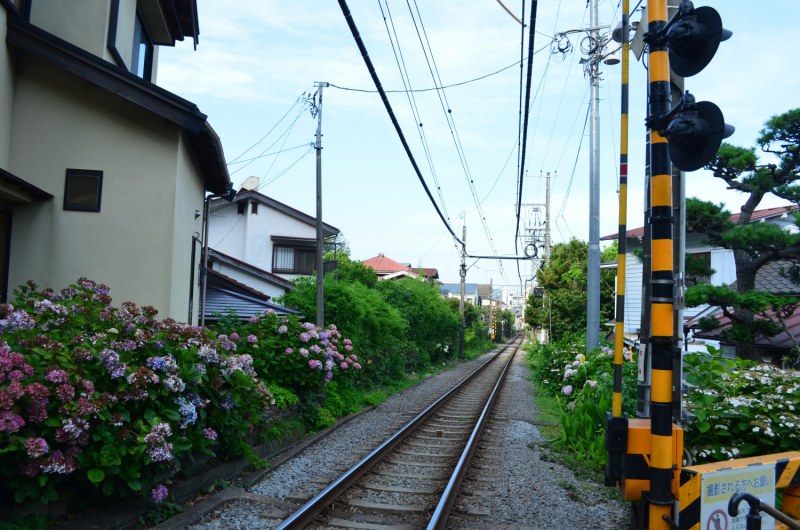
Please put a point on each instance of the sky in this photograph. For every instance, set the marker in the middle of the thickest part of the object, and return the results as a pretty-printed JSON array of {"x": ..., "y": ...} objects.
[{"x": 255, "y": 63}]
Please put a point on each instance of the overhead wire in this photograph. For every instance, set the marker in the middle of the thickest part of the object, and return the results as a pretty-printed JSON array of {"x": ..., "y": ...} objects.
[
  {"x": 268, "y": 154},
  {"x": 298, "y": 100},
  {"x": 368, "y": 62},
  {"x": 412, "y": 101},
  {"x": 286, "y": 169},
  {"x": 447, "y": 111},
  {"x": 285, "y": 132}
]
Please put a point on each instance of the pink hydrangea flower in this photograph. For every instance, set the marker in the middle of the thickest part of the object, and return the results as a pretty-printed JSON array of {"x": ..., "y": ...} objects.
[
  {"x": 234, "y": 336},
  {"x": 283, "y": 329},
  {"x": 36, "y": 447},
  {"x": 252, "y": 338},
  {"x": 357, "y": 366},
  {"x": 348, "y": 341},
  {"x": 343, "y": 366},
  {"x": 348, "y": 348},
  {"x": 15, "y": 389},
  {"x": 567, "y": 390},
  {"x": 354, "y": 357},
  {"x": 289, "y": 350},
  {"x": 57, "y": 376},
  {"x": 254, "y": 319},
  {"x": 313, "y": 363},
  {"x": 15, "y": 375},
  {"x": 591, "y": 383},
  {"x": 10, "y": 422},
  {"x": 304, "y": 352},
  {"x": 305, "y": 337}
]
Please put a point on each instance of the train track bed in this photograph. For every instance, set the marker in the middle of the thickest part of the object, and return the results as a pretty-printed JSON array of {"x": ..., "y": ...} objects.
[{"x": 506, "y": 484}]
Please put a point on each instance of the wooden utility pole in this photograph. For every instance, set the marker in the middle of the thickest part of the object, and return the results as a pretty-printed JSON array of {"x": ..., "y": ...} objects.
[{"x": 319, "y": 258}]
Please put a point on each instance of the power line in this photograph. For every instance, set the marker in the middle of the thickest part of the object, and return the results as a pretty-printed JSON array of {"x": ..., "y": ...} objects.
[
  {"x": 368, "y": 62},
  {"x": 298, "y": 100},
  {"x": 412, "y": 101},
  {"x": 534, "y": 5},
  {"x": 434, "y": 88},
  {"x": 447, "y": 111},
  {"x": 283, "y": 171},
  {"x": 569, "y": 186},
  {"x": 285, "y": 132},
  {"x": 268, "y": 154}
]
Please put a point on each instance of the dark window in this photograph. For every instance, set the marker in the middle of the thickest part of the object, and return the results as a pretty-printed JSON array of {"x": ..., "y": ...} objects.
[
  {"x": 142, "y": 60},
  {"x": 83, "y": 189},
  {"x": 294, "y": 260},
  {"x": 254, "y": 207},
  {"x": 242, "y": 208}
]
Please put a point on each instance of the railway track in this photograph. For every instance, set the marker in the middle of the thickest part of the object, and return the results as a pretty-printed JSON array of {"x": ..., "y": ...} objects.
[{"x": 413, "y": 478}]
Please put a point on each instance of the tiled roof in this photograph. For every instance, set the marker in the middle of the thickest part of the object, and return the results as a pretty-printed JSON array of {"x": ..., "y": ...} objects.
[
  {"x": 770, "y": 280},
  {"x": 431, "y": 273},
  {"x": 782, "y": 340},
  {"x": 638, "y": 233},
  {"x": 383, "y": 264}
]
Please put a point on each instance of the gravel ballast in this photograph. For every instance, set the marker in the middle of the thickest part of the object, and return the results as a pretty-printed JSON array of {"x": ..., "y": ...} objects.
[{"x": 508, "y": 479}]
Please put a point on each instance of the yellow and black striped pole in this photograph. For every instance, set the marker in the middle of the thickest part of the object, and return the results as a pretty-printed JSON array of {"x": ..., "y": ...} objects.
[
  {"x": 619, "y": 336},
  {"x": 660, "y": 496}
]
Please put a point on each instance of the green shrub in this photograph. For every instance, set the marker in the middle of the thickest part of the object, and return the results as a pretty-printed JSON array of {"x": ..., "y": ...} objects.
[{"x": 739, "y": 408}]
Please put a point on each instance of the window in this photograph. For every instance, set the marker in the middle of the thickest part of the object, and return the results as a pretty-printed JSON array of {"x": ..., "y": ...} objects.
[
  {"x": 294, "y": 260},
  {"x": 242, "y": 208},
  {"x": 83, "y": 189},
  {"x": 254, "y": 207},
  {"x": 142, "y": 60}
]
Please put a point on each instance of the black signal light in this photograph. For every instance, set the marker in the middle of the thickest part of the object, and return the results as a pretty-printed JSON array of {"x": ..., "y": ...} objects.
[{"x": 693, "y": 37}]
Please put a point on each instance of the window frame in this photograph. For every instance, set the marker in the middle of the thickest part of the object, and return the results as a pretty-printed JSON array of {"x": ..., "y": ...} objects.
[
  {"x": 295, "y": 270},
  {"x": 111, "y": 43},
  {"x": 147, "y": 73},
  {"x": 83, "y": 172}
]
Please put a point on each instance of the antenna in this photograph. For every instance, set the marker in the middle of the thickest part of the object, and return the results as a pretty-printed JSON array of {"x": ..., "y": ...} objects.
[{"x": 251, "y": 183}]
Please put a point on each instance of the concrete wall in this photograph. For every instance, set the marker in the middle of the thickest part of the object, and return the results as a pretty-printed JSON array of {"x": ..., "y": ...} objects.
[
  {"x": 247, "y": 237},
  {"x": 139, "y": 242}
]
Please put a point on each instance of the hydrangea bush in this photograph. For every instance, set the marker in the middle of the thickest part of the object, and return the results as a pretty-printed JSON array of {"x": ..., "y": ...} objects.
[
  {"x": 114, "y": 397},
  {"x": 294, "y": 354},
  {"x": 740, "y": 408}
]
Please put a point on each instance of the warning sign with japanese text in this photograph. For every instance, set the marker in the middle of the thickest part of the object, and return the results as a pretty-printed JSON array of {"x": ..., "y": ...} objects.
[{"x": 719, "y": 487}]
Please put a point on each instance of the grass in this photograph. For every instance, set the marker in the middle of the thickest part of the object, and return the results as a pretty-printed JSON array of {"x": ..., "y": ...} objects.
[{"x": 549, "y": 409}]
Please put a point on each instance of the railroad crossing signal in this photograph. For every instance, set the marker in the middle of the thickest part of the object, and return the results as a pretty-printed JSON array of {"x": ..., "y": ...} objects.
[{"x": 693, "y": 130}]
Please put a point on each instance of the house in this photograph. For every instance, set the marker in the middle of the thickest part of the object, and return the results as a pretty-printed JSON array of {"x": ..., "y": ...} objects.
[
  {"x": 769, "y": 279},
  {"x": 103, "y": 173},
  {"x": 384, "y": 266},
  {"x": 258, "y": 245},
  {"x": 719, "y": 259},
  {"x": 453, "y": 290}
]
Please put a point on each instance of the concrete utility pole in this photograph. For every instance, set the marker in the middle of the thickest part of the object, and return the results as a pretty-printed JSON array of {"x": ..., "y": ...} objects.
[
  {"x": 319, "y": 264},
  {"x": 461, "y": 303},
  {"x": 593, "y": 266},
  {"x": 547, "y": 221},
  {"x": 491, "y": 308},
  {"x": 594, "y": 45}
]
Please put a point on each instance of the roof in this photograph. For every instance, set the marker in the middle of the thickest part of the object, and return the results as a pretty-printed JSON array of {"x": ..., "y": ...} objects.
[
  {"x": 14, "y": 180},
  {"x": 470, "y": 289},
  {"x": 430, "y": 273},
  {"x": 766, "y": 213},
  {"x": 221, "y": 300},
  {"x": 383, "y": 264},
  {"x": 182, "y": 19},
  {"x": 234, "y": 285},
  {"x": 204, "y": 141},
  {"x": 770, "y": 280},
  {"x": 782, "y": 340},
  {"x": 609, "y": 264},
  {"x": 270, "y": 277},
  {"x": 243, "y": 195},
  {"x": 399, "y": 275}
]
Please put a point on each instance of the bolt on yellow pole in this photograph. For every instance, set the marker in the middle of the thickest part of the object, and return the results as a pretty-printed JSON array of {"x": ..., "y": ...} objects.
[
  {"x": 619, "y": 336},
  {"x": 660, "y": 497}
]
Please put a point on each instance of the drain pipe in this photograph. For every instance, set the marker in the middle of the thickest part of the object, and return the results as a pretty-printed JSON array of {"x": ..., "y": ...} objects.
[{"x": 204, "y": 271}]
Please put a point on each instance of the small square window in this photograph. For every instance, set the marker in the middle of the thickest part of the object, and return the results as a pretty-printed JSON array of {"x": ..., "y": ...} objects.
[
  {"x": 83, "y": 189},
  {"x": 254, "y": 208},
  {"x": 242, "y": 208}
]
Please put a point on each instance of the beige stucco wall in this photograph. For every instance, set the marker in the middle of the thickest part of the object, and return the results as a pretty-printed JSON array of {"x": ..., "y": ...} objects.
[
  {"x": 6, "y": 91},
  {"x": 83, "y": 23},
  {"x": 148, "y": 199},
  {"x": 188, "y": 195}
]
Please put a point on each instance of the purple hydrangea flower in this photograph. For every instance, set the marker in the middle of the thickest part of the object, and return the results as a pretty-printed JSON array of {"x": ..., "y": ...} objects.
[
  {"x": 210, "y": 434},
  {"x": 254, "y": 319},
  {"x": 36, "y": 447},
  {"x": 289, "y": 350},
  {"x": 234, "y": 336},
  {"x": 283, "y": 329},
  {"x": 252, "y": 338},
  {"x": 343, "y": 366},
  {"x": 305, "y": 337},
  {"x": 10, "y": 422},
  {"x": 160, "y": 493},
  {"x": 304, "y": 352}
]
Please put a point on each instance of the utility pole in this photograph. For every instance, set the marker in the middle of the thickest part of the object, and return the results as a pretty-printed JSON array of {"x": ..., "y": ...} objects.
[
  {"x": 591, "y": 66},
  {"x": 491, "y": 308},
  {"x": 463, "y": 278},
  {"x": 547, "y": 220},
  {"x": 319, "y": 264},
  {"x": 593, "y": 265}
]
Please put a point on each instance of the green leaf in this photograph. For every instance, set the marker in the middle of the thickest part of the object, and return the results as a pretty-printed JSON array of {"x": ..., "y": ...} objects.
[
  {"x": 108, "y": 487},
  {"x": 149, "y": 414},
  {"x": 135, "y": 485},
  {"x": 53, "y": 422},
  {"x": 96, "y": 475},
  {"x": 704, "y": 426},
  {"x": 171, "y": 414}
]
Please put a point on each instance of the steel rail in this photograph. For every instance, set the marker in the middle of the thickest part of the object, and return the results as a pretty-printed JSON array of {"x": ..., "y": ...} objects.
[
  {"x": 440, "y": 515},
  {"x": 306, "y": 514}
]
